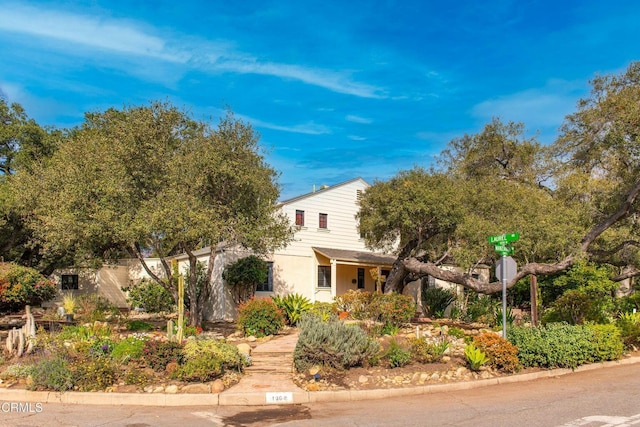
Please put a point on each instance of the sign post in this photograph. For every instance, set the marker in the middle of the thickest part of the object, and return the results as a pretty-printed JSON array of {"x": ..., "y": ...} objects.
[{"x": 507, "y": 269}]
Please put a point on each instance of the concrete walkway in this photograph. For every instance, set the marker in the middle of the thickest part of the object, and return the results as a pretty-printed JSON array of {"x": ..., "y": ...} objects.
[{"x": 269, "y": 381}]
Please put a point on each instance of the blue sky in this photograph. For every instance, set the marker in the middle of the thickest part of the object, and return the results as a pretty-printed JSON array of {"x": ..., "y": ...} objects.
[{"x": 336, "y": 89}]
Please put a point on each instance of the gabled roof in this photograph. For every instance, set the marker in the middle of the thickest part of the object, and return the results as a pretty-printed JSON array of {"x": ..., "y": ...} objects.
[
  {"x": 321, "y": 190},
  {"x": 356, "y": 256}
]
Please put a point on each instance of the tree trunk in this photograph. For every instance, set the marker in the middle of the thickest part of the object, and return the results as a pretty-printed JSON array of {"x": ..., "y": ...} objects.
[{"x": 395, "y": 281}]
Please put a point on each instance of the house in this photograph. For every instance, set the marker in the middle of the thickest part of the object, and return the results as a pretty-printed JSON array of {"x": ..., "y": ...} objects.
[{"x": 326, "y": 258}]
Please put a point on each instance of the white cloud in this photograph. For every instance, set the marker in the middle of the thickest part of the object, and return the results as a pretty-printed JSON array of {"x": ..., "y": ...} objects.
[
  {"x": 128, "y": 38},
  {"x": 109, "y": 34},
  {"x": 356, "y": 138},
  {"x": 357, "y": 119},
  {"x": 309, "y": 128},
  {"x": 537, "y": 108}
]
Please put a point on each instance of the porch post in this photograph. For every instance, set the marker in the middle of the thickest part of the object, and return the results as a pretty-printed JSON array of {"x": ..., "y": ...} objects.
[{"x": 334, "y": 276}]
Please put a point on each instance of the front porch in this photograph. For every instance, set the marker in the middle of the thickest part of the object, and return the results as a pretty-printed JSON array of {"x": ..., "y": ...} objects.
[{"x": 340, "y": 270}]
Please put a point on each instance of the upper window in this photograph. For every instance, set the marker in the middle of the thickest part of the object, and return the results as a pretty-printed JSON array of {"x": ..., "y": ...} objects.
[
  {"x": 268, "y": 285},
  {"x": 322, "y": 221},
  {"x": 69, "y": 282},
  {"x": 300, "y": 218}
]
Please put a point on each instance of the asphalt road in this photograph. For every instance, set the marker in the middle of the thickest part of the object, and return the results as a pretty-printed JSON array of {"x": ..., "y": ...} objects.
[{"x": 601, "y": 397}]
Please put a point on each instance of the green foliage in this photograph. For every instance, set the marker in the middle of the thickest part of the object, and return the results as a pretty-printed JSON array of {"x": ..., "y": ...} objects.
[
  {"x": 502, "y": 355},
  {"x": 150, "y": 295},
  {"x": 476, "y": 358},
  {"x": 392, "y": 309},
  {"x": 425, "y": 351},
  {"x": 509, "y": 316},
  {"x": 436, "y": 300},
  {"x": 158, "y": 354},
  {"x": 607, "y": 340},
  {"x": 244, "y": 275},
  {"x": 396, "y": 355},
  {"x": 20, "y": 286},
  {"x": 226, "y": 354},
  {"x": 332, "y": 344},
  {"x": 128, "y": 349},
  {"x": 201, "y": 368},
  {"x": 389, "y": 329},
  {"x": 16, "y": 370},
  {"x": 565, "y": 346},
  {"x": 94, "y": 374},
  {"x": 293, "y": 306},
  {"x": 481, "y": 308},
  {"x": 93, "y": 307},
  {"x": 136, "y": 376},
  {"x": 587, "y": 295},
  {"x": 323, "y": 310},
  {"x": 51, "y": 374},
  {"x": 259, "y": 317},
  {"x": 629, "y": 325},
  {"x": 456, "y": 332},
  {"x": 139, "y": 325},
  {"x": 354, "y": 302},
  {"x": 152, "y": 177}
]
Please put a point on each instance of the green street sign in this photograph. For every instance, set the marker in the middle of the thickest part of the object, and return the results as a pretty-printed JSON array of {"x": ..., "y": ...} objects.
[
  {"x": 504, "y": 250},
  {"x": 504, "y": 238}
]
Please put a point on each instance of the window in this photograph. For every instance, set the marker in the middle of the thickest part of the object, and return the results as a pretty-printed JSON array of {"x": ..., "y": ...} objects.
[
  {"x": 69, "y": 282},
  {"x": 361, "y": 278},
  {"x": 268, "y": 285},
  {"x": 322, "y": 221},
  {"x": 300, "y": 218},
  {"x": 324, "y": 276}
]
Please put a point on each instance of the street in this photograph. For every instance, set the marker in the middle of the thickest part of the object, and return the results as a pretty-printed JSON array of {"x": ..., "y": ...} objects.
[{"x": 599, "y": 397}]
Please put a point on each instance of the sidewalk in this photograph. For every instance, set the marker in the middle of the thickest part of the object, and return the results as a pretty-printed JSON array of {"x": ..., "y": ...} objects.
[{"x": 269, "y": 381}]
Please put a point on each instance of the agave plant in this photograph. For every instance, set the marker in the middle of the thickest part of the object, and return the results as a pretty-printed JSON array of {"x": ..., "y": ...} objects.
[
  {"x": 475, "y": 357},
  {"x": 293, "y": 306}
]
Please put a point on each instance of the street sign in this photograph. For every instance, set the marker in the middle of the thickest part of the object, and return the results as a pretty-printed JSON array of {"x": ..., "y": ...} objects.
[
  {"x": 506, "y": 269},
  {"x": 504, "y": 238},
  {"x": 504, "y": 250}
]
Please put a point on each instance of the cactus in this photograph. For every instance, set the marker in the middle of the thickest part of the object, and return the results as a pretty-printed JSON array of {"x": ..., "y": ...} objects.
[
  {"x": 21, "y": 341},
  {"x": 170, "y": 336}
]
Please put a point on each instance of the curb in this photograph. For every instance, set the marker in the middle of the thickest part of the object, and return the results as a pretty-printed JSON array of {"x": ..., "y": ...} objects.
[{"x": 299, "y": 396}]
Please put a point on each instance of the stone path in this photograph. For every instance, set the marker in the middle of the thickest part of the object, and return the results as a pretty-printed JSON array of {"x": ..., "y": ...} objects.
[{"x": 272, "y": 367}]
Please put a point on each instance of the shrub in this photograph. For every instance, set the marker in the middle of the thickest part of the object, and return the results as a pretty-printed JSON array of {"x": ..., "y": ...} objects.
[
  {"x": 427, "y": 352},
  {"x": 51, "y": 374},
  {"x": 226, "y": 354},
  {"x": 135, "y": 376},
  {"x": 396, "y": 355},
  {"x": 475, "y": 357},
  {"x": 259, "y": 317},
  {"x": 201, "y": 368},
  {"x": 150, "y": 295},
  {"x": 128, "y": 349},
  {"x": 456, "y": 332},
  {"x": 565, "y": 346},
  {"x": 95, "y": 373},
  {"x": 93, "y": 307},
  {"x": 629, "y": 325},
  {"x": 436, "y": 300},
  {"x": 139, "y": 325},
  {"x": 293, "y": 306},
  {"x": 244, "y": 275},
  {"x": 481, "y": 308},
  {"x": 20, "y": 286},
  {"x": 574, "y": 307},
  {"x": 158, "y": 354},
  {"x": 332, "y": 344},
  {"x": 501, "y": 353},
  {"x": 356, "y": 303},
  {"x": 323, "y": 310},
  {"x": 607, "y": 341},
  {"x": 393, "y": 309}
]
